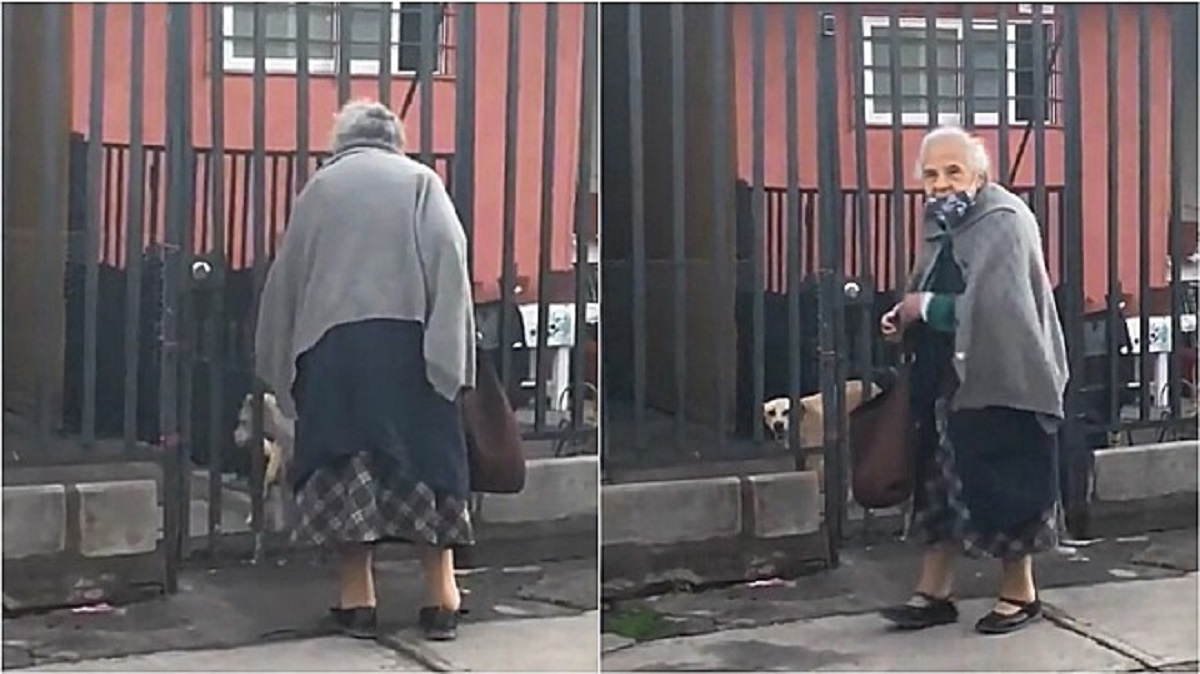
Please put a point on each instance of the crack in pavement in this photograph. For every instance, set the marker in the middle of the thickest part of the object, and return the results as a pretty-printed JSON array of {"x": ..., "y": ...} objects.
[{"x": 1063, "y": 620}]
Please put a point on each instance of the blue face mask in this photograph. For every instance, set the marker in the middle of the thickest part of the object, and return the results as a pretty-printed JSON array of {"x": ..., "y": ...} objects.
[{"x": 949, "y": 210}]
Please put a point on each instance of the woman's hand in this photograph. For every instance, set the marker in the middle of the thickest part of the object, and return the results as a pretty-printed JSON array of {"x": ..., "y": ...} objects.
[
  {"x": 909, "y": 309},
  {"x": 890, "y": 325},
  {"x": 905, "y": 313}
]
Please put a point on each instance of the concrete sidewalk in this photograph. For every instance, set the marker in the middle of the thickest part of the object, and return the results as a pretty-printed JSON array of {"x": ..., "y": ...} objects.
[
  {"x": 1118, "y": 626},
  {"x": 311, "y": 655},
  {"x": 562, "y": 644},
  {"x": 267, "y": 617}
]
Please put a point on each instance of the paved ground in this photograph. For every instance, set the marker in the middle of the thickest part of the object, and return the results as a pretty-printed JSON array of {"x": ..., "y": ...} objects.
[
  {"x": 1115, "y": 606},
  {"x": 265, "y": 618},
  {"x": 320, "y": 654},
  {"x": 563, "y": 644}
]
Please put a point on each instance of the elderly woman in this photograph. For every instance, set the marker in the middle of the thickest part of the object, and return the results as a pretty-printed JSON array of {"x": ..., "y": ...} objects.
[
  {"x": 366, "y": 335},
  {"x": 987, "y": 386}
]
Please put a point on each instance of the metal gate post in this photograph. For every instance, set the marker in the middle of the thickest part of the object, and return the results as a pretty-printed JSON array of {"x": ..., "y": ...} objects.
[
  {"x": 1075, "y": 456},
  {"x": 831, "y": 303},
  {"x": 178, "y": 213}
]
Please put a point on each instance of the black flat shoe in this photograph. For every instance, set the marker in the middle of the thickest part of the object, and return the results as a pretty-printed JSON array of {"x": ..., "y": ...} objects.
[
  {"x": 999, "y": 623},
  {"x": 439, "y": 624},
  {"x": 924, "y": 610},
  {"x": 360, "y": 623}
]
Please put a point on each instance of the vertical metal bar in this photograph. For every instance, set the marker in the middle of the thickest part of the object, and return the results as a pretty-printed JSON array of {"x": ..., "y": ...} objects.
[
  {"x": 302, "y": 99},
  {"x": 52, "y": 198},
  {"x": 756, "y": 198},
  {"x": 386, "y": 63},
  {"x": 258, "y": 170},
  {"x": 91, "y": 292},
  {"x": 345, "y": 38},
  {"x": 1143, "y": 62},
  {"x": 508, "y": 276},
  {"x": 1116, "y": 326},
  {"x": 108, "y": 237},
  {"x": 464, "y": 127},
  {"x": 1039, "y": 108},
  {"x": 8, "y": 57},
  {"x": 832, "y": 260},
  {"x": 1002, "y": 161},
  {"x": 722, "y": 187},
  {"x": 968, "y": 93},
  {"x": 862, "y": 210},
  {"x": 216, "y": 363},
  {"x": 549, "y": 132},
  {"x": 1077, "y": 458},
  {"x": 429, "y": 48},
  {"x": 135, "y": 216},
  {"x": 1174, "y": 226},
  {"x": 179, "y": 239},
  {"x": 587, "y": 127},
  {"x": 792, "y": 116},
  {"x": 186, "y": 236},
  {"x": 932, "y": 67},
  {"x": 179, "y": 210},
  {"x": 900, "y": 259},
  {"x": 637, "y": 193}
]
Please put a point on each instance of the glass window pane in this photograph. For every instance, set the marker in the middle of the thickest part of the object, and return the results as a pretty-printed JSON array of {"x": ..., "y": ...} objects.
[
  {"x": 913, "y": 49},
  {"x": 279, "y": 21},
  {"x": 279, "y": 27},
  {"x": 411, "y": 17},
  {"x": 321, "y": 34},
  {"x": 364, "y": 23},
  {"x": 912, "y": 54},
  {"x": 912, "y": 87},
  {"x": 242, "y": 47},
  {"x": 364, "y": 31},
  {"x": 243, "y": 21},
  {"x": 320, "y": 22}
]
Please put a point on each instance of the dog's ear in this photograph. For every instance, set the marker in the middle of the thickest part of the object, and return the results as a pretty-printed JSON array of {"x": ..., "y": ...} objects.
[{"x": 803, "y": 410}]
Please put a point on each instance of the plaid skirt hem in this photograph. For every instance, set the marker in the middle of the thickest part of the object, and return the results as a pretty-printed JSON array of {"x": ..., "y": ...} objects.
[
  {"x": 948, "y": 519},
  {"x": 363, "y": 500}
]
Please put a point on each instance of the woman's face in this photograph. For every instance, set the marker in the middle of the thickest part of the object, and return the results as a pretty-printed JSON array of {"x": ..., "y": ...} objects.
[{"x": 946, "y": 169}]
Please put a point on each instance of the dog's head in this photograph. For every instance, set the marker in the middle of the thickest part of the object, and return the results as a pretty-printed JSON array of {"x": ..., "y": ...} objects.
[
  {"x": 244, "y": 432},
  {"x": 776, "y": 415}
]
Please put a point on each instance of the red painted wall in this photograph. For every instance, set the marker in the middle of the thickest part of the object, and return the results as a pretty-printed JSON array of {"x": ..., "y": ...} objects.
[
  {"x": 1093, "y": 87},
  {"x": 491, "y": 78}
]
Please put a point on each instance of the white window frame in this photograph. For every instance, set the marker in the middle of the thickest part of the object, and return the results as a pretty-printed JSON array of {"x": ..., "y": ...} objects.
[
  {"x": 324, "y": 66},
  {"x": 873, "y": 118}
]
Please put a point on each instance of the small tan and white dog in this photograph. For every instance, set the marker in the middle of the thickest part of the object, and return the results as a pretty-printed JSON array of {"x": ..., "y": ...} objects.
[
  {"x": 812, "y": 430},
  {"x": 776, "y": 415},
  {"x": 279, "y": 440}
]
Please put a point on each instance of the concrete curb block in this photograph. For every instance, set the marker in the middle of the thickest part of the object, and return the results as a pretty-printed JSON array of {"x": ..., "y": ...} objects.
[
  {"x": 35, "y": 520},
  {"x": 555, "y": 489},
  {"x": 662, "y": 513},
  {"x": 118, "y": 518},
  {"x": 722, "y": 529},
  {"x": 92, "y": 519},
  {"x": 1146, "y": 471},
  {"x": 758, "y": 506}
]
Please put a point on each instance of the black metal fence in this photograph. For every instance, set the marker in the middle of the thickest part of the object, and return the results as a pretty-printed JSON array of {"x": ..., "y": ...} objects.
[
  {"x": 730, "y": 280},
  {"x": 169, "y": 243}
]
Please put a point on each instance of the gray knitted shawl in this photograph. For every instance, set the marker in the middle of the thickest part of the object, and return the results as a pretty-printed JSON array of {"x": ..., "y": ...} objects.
[
  {"x": 1009, "y": 348},
  {"x": 372, "y": 235}
]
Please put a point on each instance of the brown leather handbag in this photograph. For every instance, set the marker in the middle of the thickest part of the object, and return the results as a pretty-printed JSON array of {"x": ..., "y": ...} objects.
[
  {"x": 883, "y": 443},
  {"x": 497, "y": 461}
]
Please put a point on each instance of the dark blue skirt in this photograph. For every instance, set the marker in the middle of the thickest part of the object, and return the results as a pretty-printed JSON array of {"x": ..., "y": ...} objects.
[
  {"x": 988, "y": 482},
  {"x": 379, "y": 454}
]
